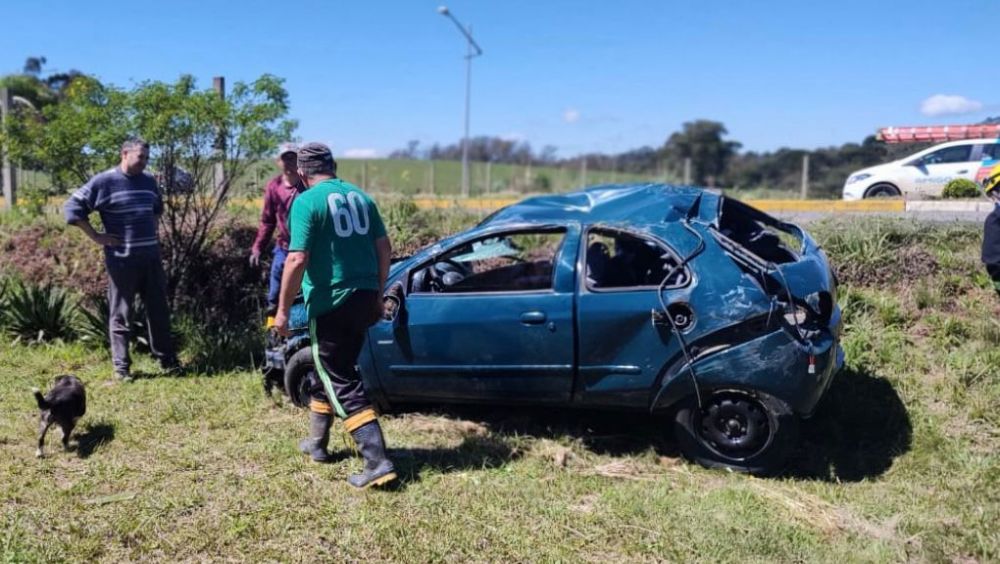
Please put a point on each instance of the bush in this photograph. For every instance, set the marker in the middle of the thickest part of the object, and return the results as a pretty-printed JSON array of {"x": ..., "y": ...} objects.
[
  {"x": 39, "y": 313},
  {"x": 961, "y": 188}
]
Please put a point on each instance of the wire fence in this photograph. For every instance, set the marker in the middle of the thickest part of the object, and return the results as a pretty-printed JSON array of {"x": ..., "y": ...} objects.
[{"x": 444, "y": 178}]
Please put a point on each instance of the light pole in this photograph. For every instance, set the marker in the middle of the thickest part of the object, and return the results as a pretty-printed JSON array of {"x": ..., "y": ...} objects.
[{"x": 469, "y": 55}]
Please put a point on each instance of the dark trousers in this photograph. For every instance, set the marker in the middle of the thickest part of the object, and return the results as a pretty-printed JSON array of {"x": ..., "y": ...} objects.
[
  {"x": 274, "y": 280},
  {"x": 142, "y": 275},
  {"x": 994, "y": 271},
  {"x": 337, "y": 337}
]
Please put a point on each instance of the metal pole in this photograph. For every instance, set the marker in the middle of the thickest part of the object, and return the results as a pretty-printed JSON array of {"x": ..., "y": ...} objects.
[
  {"x": 687, "y": 171},
  {"x": 9, "y": 174},
  {"x": 583, "y": 172},
  {"x": 805, "y": 176},
  {"x": 468, "y": 97},
  {"x": 472, "y": 50},
  {"x": 489, "y": 177},
  {"x": 432, "y": 177}
]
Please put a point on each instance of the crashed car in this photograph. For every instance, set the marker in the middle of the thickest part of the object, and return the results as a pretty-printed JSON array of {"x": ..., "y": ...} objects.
[{"x": 648, "y": 297}]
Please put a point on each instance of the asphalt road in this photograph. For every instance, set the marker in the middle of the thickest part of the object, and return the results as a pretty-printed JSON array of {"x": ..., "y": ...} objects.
[{"x": 937, "y": 216}]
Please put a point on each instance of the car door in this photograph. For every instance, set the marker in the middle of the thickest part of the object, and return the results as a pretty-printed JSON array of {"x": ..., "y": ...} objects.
[
  {"x": 487, "y": 319},
  {"x": 621, "y": 349},
  {"x": 935, "y": 169}
]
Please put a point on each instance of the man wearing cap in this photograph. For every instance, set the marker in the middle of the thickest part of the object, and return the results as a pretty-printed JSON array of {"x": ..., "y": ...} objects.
[
  {"x": 278, "y": 196},
  {"x": 339, "y": 253}
]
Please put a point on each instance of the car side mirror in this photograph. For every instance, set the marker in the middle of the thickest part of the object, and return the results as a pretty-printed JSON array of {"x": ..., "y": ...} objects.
[{"x": 392, "y": 303}]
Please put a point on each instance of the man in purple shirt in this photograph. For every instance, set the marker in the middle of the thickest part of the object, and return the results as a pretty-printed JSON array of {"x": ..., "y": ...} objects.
[{"x": 278, "y": 197}]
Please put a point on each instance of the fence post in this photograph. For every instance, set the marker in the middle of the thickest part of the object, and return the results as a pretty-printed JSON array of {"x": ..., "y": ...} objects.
[
  {"x": 219, "y": 171},
  {"x": 805, "y": 176},
  {"x": 687, "y": 171},
  {"x": 9, "y": 173}
]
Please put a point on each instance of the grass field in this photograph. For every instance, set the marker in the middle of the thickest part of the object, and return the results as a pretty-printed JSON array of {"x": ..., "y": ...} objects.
[{"x": 900, "y": 463}]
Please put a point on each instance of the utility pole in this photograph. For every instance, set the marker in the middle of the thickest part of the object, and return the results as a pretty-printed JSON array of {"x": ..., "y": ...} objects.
[
  {"x": 472, "y": 50},
  {"x": 9, "y": 173},
  {"x": 219, "y": 171}
]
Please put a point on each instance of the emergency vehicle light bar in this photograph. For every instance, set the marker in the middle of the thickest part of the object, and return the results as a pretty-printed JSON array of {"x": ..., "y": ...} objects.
[{"x": 937, "y": 133}]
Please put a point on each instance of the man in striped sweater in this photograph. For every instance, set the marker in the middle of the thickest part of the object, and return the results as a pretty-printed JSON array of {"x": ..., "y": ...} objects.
[{"x": 129, "y": 204}]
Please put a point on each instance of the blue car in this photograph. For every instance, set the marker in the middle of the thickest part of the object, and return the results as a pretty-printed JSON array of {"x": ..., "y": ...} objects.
[{"x": 645, "y": 297}]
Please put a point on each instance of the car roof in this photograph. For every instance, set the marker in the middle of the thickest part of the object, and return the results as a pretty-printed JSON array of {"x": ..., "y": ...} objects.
[{"x": 635, "y": 203}]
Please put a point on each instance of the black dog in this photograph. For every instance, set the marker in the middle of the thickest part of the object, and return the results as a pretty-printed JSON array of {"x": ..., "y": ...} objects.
[{"x": 64, "y": 404}]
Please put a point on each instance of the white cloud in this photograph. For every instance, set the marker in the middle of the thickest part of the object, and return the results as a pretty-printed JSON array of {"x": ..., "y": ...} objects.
[
  {"x": 360, "y": 154},
  {"x": 949, "y": 104},
  {"x": 571, "y": 115}
]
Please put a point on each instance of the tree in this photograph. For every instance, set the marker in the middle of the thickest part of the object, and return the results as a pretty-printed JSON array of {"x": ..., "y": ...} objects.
[
  {"x": 184, "y": 126},
  {"x": 82, "y": 134},
  {"x": 701, "y": 141}
]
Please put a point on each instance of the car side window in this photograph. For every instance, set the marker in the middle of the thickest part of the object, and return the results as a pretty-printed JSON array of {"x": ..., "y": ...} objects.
[
  {"x": 616, "y": 259},
  {"x": 508, "y": 262},
  {"x": 992, "y": 151},
  {"x": 957, "y": 154}
]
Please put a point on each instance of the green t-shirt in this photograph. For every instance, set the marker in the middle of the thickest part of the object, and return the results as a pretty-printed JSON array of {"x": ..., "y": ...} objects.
[{"x": 337, "y": 224}]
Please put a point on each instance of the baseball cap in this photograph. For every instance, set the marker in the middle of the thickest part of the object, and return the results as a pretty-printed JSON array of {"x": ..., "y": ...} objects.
[
  {"x": 315, "y": 156},
  {"x": 287, "y": 148}
]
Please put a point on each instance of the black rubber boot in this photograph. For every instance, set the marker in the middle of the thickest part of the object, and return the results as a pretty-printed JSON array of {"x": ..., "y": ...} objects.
[
  {"x": 319, "y": 437},
  {"x": 378, "y": 468}
]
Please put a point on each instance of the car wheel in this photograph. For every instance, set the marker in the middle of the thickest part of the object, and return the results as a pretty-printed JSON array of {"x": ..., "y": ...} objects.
[
  {"x": 883, "y": 190},
  {"x": 744, "y": 431},
  {"x": 297, "y": 376}
]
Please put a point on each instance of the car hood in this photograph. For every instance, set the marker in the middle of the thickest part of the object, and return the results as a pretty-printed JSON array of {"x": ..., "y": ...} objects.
[{"x": 881, "y": 169}]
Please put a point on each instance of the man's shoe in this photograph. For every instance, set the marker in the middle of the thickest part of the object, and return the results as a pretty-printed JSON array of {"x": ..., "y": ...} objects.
[
  {"x": 378, "y": 469},
  {"x": 319, "y": 437},
  {"x": 123, "y": 376}
]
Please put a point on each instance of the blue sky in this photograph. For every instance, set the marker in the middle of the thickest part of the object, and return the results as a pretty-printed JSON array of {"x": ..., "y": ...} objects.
[{"x": 583, "y": 76}]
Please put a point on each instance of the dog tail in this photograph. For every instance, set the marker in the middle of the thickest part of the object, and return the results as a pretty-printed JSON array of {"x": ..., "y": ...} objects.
[{"x": 42, "y": 404}]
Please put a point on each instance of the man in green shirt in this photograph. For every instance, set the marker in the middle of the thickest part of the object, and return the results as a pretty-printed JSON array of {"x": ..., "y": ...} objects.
[{"x": 339, "y": 253}]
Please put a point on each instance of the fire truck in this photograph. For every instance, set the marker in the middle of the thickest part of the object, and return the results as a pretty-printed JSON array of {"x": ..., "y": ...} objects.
[{"x": 963, "y": 151}]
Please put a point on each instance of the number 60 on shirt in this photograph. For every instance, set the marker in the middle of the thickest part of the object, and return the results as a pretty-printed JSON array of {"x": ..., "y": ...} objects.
[{"x": 349, "y": 214}]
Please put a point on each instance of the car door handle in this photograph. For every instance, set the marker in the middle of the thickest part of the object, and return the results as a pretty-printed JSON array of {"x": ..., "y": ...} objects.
[{"x": 533, "y": 317}]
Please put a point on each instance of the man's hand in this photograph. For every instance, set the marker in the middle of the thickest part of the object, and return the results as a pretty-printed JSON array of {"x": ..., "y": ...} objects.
[
  {"x": 281, "y": 323},
  {"x": 107, "y": 240},
  {"x": 255, "y": 258}
]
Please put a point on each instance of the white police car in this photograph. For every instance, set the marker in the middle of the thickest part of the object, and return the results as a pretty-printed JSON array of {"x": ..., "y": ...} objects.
[{"x": 923, "y": 174}]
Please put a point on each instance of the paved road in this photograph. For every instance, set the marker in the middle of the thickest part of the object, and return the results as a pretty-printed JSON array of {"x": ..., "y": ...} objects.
[{"x": 937, "y": 216}]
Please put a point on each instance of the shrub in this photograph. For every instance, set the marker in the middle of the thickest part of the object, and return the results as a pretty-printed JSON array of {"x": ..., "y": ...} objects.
[
  {"x": 40, "y": 313},
  {"x": 961, "y": 188}
]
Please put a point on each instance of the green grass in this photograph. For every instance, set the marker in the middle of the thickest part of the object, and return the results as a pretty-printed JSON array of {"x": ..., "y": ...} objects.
[{"x": 899, "y": 463}]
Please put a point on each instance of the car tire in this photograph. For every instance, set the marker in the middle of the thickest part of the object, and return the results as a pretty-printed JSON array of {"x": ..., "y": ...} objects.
[
  {"x": 882, "y": 190},
  {"x": 749, "y": 432},
  {"x": 297, "y": 380}
]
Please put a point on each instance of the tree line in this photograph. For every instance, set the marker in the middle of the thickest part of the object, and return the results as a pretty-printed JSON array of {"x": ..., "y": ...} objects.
[{"x": 715, "y": 160}]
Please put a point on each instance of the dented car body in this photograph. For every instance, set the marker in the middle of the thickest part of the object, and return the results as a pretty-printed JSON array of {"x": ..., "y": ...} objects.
[{"x": 643, "y": 297}]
